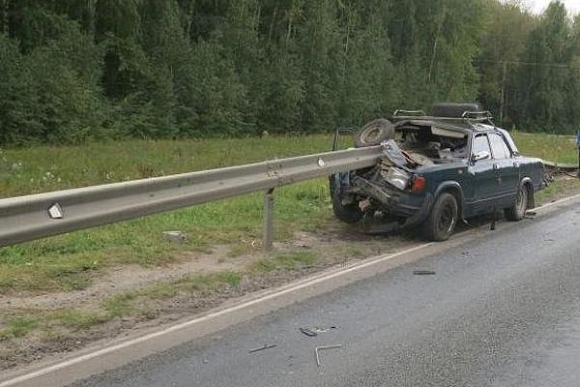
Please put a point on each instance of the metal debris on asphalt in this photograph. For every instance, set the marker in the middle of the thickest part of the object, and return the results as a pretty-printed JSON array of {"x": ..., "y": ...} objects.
[
  {"x": 312, "y": 332},
  {"x": 262, "y": 348},
  {"x": 321, "y": 348},
  {"x": 423, "y": 272},
  {"x": 323, "y": 329},
  {"x": 308, "y": 332}
]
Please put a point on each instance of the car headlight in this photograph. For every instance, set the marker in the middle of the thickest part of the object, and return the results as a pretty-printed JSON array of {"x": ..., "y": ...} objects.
[{"x": 397, "y": 177}]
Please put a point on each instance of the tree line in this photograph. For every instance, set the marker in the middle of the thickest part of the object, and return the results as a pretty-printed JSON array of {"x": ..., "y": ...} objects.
[{"x": 77, "y": 70}]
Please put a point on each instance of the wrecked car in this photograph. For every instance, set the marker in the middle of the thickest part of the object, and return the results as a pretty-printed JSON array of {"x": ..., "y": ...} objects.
[{"x": 437, "y": 170}]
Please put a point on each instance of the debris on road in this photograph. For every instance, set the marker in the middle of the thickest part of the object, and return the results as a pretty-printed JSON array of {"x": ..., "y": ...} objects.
[
  {"x": 321, "y": 348},
  {"x": 423, "y": 272},
  {"x": 323, "y": 329},
  {"x": 308, "y": 332},
  {"x": 262, "y": 348},
  {"x": 312, "y": 332}
]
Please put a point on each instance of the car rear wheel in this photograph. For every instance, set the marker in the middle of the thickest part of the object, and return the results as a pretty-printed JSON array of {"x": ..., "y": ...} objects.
[
  {"x": 348, "y": 213},
  {"x": 517, "y": 212},
  {"x": 443, "y": 218}
]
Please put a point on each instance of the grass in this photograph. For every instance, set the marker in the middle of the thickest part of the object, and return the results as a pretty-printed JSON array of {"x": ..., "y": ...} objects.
[
  {"x": 285, "y": 261},
  {"x": 550, "y": 147},
  {"x": 557, "y": 189},
  {"x": 18, "y": 326},
  {"x": 73, "y": 261}
]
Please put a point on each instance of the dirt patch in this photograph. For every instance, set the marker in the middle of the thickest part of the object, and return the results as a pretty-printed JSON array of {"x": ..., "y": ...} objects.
[{"x": 125, "y": 278}]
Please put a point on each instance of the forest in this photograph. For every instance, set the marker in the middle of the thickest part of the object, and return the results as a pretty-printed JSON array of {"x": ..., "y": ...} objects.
[{"x": 82, "y": 70}]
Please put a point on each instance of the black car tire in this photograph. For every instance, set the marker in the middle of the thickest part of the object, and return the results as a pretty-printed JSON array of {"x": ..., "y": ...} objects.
[
  {"x": 347, "y": 213},
  {"x": 517, "y": 212},
  {"x": 443, "y": 218},
  {"x": 374, "y": 133},
  {"x": 453, "y": 109}
]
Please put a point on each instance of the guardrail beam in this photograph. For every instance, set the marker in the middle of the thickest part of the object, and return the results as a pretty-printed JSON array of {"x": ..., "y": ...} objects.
[{"x": 27, "y": 218}]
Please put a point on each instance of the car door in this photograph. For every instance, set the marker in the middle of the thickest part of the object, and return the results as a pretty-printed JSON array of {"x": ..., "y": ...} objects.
[
  {"x": 508, "y": 169},
  {"x": 482, "y": 183}
]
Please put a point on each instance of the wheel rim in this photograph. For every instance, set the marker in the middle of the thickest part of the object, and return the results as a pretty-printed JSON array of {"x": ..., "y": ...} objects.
[
  {"x": 372, "y": 134},
  {"x": 522, "y": 200},
  {"x": 446, "y": 220}
]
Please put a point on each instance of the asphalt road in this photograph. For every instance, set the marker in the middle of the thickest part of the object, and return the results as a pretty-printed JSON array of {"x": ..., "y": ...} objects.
[{"x": 501, "y": 311}]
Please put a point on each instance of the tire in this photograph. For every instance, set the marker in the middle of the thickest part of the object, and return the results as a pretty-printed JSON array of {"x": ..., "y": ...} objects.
[
  {"x": 347, "y": 213},
  {"x": 517, "y": 212},
  {"x": 453, "y": 110},
  {"x": 374, "y": 133},
  {"x": 443, "y": 218}
]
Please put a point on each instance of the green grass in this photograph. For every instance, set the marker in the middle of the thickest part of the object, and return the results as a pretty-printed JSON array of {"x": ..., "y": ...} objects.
[
  {"x": 557, "y": 189},
  {"x": 73, "y": 261},
  {"x": 78, "y": 319},
  {"x": 285, "y": 261},
  {"x": 550, "y": 147},
  {"x": 191, "y": 284},
  {"x": 18, "y": 326},
  {"x": 120, "y": 305}
]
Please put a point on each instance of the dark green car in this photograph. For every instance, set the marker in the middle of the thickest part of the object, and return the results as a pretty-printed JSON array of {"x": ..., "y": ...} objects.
[{"x": 438, "y": 169}]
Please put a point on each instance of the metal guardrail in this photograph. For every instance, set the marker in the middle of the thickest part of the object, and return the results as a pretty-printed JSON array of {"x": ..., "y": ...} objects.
[{"x": 27, "y": 218}]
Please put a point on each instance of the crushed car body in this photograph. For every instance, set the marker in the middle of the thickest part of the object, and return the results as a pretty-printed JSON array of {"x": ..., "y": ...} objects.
[{"x": 438, "y": 169}]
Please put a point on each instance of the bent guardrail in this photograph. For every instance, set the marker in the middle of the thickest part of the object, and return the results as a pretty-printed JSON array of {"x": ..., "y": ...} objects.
[{"x": 27, "y": 218}]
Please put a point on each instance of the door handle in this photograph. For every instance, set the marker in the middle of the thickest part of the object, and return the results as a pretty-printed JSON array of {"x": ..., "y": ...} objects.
[
  {"x": 495, "y": 167},
  {"x": 516, "y": 164}
]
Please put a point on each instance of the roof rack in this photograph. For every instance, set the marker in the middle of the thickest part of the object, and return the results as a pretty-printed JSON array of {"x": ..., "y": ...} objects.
[
  {"x": 475, "y": 115},
  {"x": 467, "y": 116},
  {"x": 418, "y": 113}
]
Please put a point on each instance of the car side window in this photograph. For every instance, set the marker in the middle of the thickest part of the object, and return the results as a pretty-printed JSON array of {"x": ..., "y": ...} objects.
[
  {"x": 480, "y": 144},
  {"x": 499, "y": 147}
]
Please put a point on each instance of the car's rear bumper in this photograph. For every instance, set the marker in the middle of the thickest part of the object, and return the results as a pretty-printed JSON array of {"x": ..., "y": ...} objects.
[{"x": 414, "y": 208}]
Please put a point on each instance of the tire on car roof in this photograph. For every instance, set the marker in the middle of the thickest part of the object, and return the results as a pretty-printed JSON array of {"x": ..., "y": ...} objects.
[
  {"x": 374, "y": 133},
  {"x": 453, "y": 110}
]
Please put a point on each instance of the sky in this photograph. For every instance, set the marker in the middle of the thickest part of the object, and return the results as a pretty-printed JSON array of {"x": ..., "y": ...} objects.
[{"x": 538, "y": 6}]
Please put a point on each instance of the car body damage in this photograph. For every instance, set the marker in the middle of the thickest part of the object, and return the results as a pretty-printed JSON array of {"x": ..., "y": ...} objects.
[{"x": 436, "y": 171}]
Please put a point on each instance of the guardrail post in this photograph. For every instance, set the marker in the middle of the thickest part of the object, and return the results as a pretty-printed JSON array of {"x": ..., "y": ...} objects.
[{"x": 268, "y": 219}]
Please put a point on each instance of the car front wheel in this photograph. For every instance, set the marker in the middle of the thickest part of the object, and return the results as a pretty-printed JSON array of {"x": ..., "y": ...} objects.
[
  {"x": 517, "y": 212},
  {"x": 442, "y": 220}
]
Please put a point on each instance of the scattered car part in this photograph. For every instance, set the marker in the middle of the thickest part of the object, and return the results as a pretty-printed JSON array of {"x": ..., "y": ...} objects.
[
  {"x": 321, "y": 348},
  {"x": 174, "y": 236},
  {"x": 423, "y": 272},
  {"x": 262, "y": 348},
  {"x": 308, "y": 332}
]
